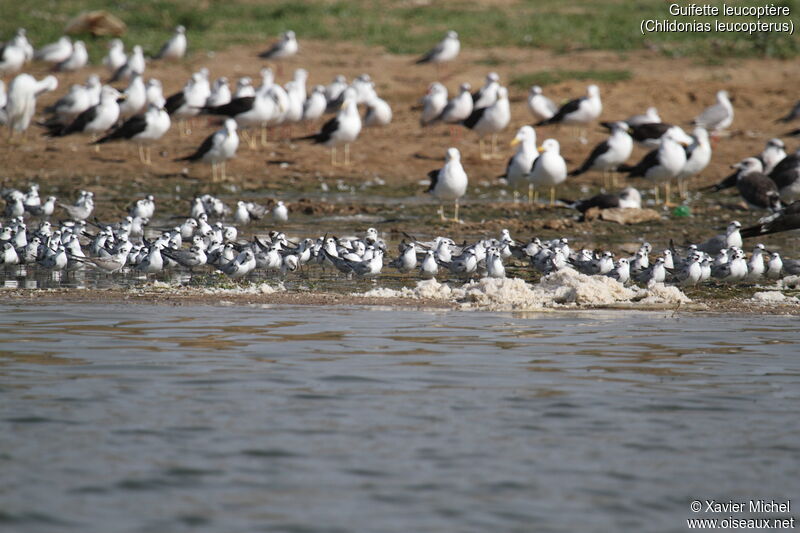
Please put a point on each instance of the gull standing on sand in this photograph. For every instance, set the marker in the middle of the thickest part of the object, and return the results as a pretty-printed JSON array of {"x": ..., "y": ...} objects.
[
  {"x": 433, "y": 103},
  {"x": 78, "y": 59},
  {"x": 447, "y": 50},
  {"x": 774, "y": 152},
  {"x": 280, "y": 213},
  {"x": 755, "y": 188},
  {"x": 342, "y": 129},
  {"x": 144, "y": 130},
  {"x": 449, "y": 182},
  {"x": 134, "y": 97},
  {"x": 580, "y": 111},
  {"x": 379, "y": 112},
  {"x": 549, "y": 169},
  {"x": 519, "y": 166},
  {"x": 244, "y": 88},
  {"x": 459, "y": 107},
  {"x": 698, "y": 156},
  {"x": 315, "y": 104},
  {"x": 115, "y": 57},
  {"x": 628, "y": 198},
  {"x": 490, "y": 120},
  {"x": 786, "y": 175},
  {"x": 55, "y": 52},
  {"x": 650, "y": 116},
  {"x": 609, "y": 154},
  {"x": 659, "y": 166},
  {"x": 217, "y": 148},
  {"x": 134, "y": 63},
  {"x": 717, "y": 117},
  {"x": 97, "y": 119},
  {"x": 220, "y": 93},
  {"x": 250, "y": 111},
  {"x": 286, "y": 47},
  {"x": 486, "y": 95},
  {"x": 650, "y": 134},
  {"x": 175, "y": 47},
  {"x": 20, "y": 39},
  {"x": 154, "y": 93},
  {"x": 539, "y": 105},
  {"x": 22, "y": 94},
  {"x": 12, "y": 57},
  {"x": 69, "y": 106}
]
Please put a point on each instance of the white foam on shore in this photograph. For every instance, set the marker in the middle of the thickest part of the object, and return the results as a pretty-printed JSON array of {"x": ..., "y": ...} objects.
[
  {"x": 789, "y": 282},
  {"x": 664, "y": 294},
  {"x": 773, "y": 297},
  {"x": 566, "y": 287},
  {"x": 262, "y": 288}
]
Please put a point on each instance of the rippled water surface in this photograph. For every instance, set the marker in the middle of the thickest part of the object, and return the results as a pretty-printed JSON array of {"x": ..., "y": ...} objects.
[{"x": 122, "y": 418}]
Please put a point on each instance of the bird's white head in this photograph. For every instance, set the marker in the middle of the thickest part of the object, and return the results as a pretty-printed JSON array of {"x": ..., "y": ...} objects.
[
  {"x": 550, "y": 146},
  {"x": 348, "y": 97},
  {"x": 180, "y": 29},
  {"x": 652, "y": 114},
  {"x": 593, "y": 91},
  {"x": 525, "y": 134},
  {"x": 748, "y": 165},
  {"x": 701, "y": 134},
  {"x": 436, "y": 87},
  {"x": 453, "y": 154},
  {"x": 49, "y": 83},
  {"x": 230, "y": 125},
  {"x": 776, "y": 143},
  {"x": 109, "y": 93},
  {"x": 452, "y": 35},
  {"x": 631, "y": 194}
]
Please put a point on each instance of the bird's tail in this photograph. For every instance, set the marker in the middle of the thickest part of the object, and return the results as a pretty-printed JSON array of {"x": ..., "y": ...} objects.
[
  {"x": 581, "y": 169},
  {"x": 213, "y": 110},
  {"x": 727, "y": 183},
  {"x": 311, "y": 137},
  {"x": 53, "y": 129},
  {"x": 754, "y": 231},
  {"x": 572, "y": 204}
]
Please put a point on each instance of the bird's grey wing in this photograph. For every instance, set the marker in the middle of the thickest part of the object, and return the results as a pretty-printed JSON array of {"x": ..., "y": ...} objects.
[
  {"x": 713, "y": 245},
  {"x": 712, "y": 115}
]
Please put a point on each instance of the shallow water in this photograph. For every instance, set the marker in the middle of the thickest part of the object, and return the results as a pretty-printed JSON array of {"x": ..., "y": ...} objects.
[{"x": 121, "y": 418}]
